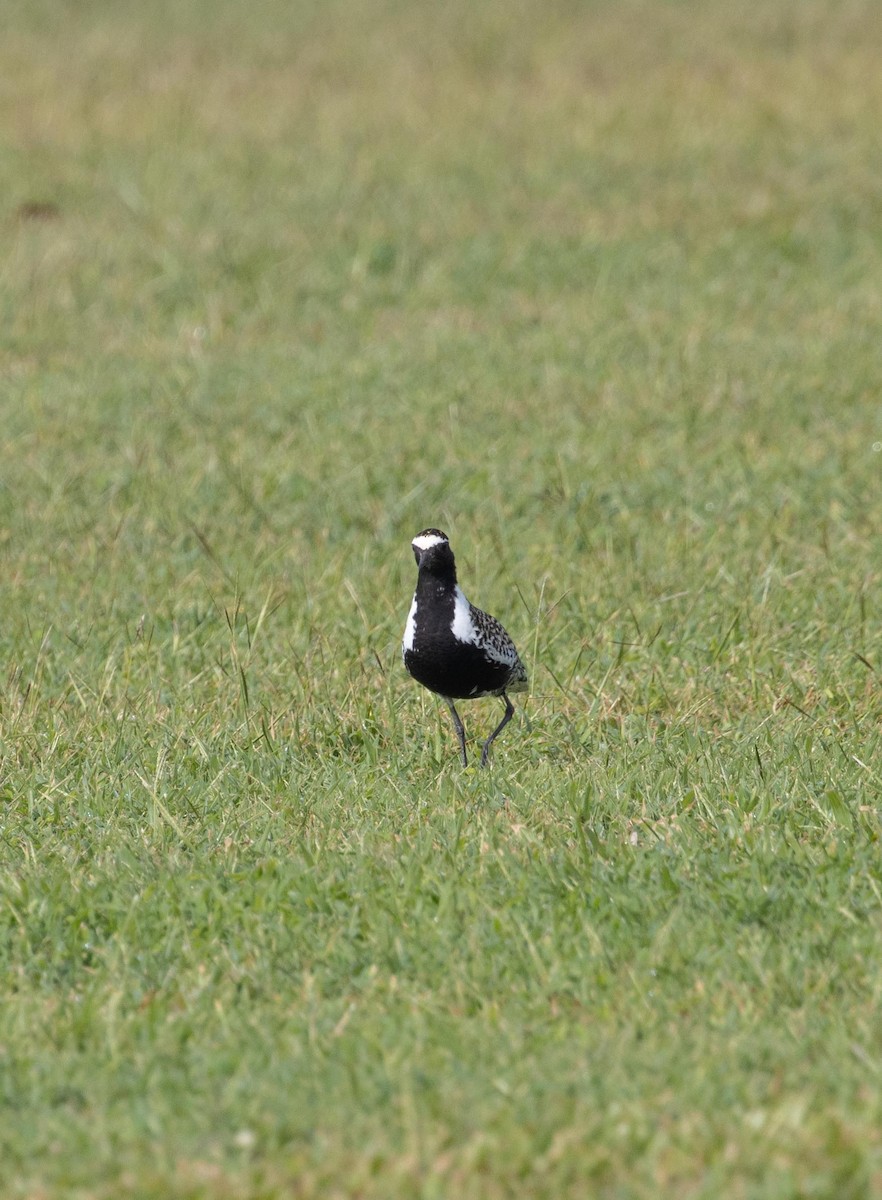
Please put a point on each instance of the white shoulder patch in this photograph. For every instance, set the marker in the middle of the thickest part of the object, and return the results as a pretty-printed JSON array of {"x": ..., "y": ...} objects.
[
  {"x": 427, "y": 541},
  {"x": 410, "y": 627},
  {"x": 462, "y": 626}
]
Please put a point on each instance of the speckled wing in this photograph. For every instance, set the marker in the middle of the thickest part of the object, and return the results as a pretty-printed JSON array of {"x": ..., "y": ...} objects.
[{"x": 499, "y": 648}]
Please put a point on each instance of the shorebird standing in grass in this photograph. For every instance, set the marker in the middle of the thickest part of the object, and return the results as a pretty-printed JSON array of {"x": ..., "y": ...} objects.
[{"x": 453, "y": 648}]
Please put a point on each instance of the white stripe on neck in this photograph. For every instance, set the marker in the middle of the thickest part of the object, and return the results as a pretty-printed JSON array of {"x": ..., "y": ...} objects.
[
  {"x": 462, "y": 626},
  {"x": 410, "y": 627}
]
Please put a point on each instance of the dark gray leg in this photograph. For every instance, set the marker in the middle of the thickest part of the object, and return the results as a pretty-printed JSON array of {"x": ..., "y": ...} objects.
[
  {"x": 509, "y": 713},
  {"x": 460, "y": 731}
]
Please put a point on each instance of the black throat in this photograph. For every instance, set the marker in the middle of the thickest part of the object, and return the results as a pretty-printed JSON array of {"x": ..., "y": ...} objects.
[
  {"x": 435, "y": 586},
  {"x": 437, "y": 571}
]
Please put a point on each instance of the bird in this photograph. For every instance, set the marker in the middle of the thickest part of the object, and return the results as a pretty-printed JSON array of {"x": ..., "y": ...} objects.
[{"x": 453, "y": 648}]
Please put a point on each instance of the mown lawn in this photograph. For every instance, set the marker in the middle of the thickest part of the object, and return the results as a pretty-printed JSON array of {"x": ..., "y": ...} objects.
[{"x": 596, "y": 288}]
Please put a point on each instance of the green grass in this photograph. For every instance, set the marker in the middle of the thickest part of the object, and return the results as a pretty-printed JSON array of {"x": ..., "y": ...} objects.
[{"x": 595, "y": 287}]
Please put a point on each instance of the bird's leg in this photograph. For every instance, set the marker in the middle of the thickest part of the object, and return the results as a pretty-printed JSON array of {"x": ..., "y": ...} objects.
[
  {"x": 460, "y": 731},
  {"x": 509, "y": 713}
]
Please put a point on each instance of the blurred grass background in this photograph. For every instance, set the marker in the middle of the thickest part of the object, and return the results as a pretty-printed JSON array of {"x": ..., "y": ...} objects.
[{"x": 595, "y": 287}]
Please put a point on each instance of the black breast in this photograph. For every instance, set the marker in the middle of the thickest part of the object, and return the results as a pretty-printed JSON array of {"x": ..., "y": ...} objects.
[{"x": 454, "y": 669}]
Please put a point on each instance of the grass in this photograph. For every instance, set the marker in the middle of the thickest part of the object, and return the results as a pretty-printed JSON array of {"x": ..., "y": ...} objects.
[{"x": 595, "y": 288}]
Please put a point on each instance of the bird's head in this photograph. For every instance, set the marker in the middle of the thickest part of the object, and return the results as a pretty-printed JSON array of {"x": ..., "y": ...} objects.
[{"x": 432, "y": 552}]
